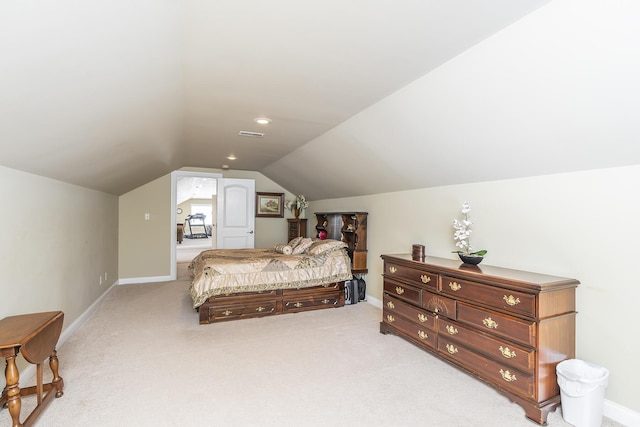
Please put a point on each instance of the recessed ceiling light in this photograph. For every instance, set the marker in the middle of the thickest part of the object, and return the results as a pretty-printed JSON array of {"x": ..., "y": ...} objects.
[
  {"x": 231, "y": 157},
  {"x": 262, "y": 120},
  {"x": 225, "y": 166}
]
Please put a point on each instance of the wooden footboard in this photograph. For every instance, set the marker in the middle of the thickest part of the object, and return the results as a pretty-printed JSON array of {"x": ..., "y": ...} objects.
[{"x": 246, "y": 305}]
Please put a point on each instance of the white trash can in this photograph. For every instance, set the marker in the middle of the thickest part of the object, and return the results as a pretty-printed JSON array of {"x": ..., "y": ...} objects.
[{"x": 582, "y": 386}]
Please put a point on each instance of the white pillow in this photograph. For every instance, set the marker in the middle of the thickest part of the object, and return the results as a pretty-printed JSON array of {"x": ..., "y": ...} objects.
[
  {"x": 302, "y": 246},
  {"x": 320, "y": 247},
  {"x": 283, "y": 249},
  {"x": 294, "y": 242}
]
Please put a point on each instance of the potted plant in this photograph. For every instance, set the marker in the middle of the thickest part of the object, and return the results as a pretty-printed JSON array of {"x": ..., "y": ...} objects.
[
  {"x": 461, "y": 236},
  {"x": 297, "y": 205}
]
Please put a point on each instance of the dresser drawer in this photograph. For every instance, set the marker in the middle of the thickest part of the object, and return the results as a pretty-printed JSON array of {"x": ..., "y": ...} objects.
[
  {"x": 402, "y": 291},
  {"x": 421, "y": 317},
  {"x": 272, "y": 293},
  {"x": 494, "y": 372},
  {"x": 413, "y": 330},
  {"x": 423, "y": 278},
  {"x": 506, "y": 352},
  {"x": 503, "y": 299},
  {"x": 439, "y": 304},
  {"x": 305, "y": 303},
  {"x": 233, "y": 312},
  {"x": 519, "y": 330},
  {"x": 332, "y": 287}
]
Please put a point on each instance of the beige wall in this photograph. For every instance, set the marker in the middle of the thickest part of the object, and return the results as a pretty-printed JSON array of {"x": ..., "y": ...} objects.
[
  {"x": 578, "y": 225},
  {"x": 58, "y": 240},
  {"x": 144, "y": 250}
]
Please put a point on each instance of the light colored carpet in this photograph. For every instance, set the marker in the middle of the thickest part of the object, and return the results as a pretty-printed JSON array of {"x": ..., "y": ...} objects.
[{"x": 142, "y": 359}]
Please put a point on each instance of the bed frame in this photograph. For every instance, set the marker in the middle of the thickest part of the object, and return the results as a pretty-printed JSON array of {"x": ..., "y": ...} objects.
[{"x": 245, "y": 305}]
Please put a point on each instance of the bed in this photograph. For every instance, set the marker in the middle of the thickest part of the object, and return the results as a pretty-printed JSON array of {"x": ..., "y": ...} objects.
[{"x": 305, "y": 274}]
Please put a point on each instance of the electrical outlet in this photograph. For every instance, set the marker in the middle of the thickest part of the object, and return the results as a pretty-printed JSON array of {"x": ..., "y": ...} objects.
[
  {"x": 105, "y": 276},
  {"x": 147, "y": 216},
  {"x": 101, "y": 279}
]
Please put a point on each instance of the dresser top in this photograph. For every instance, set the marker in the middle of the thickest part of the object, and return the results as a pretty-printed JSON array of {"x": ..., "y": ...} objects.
[
  {"x": 342, "y": 213},
  {"x": 486, "y": 273}
]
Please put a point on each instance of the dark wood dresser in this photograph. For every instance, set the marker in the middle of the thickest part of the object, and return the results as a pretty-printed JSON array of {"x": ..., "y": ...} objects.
[
  {"x": 296, "y": 227},
  {"x": 508, "y": 328}
]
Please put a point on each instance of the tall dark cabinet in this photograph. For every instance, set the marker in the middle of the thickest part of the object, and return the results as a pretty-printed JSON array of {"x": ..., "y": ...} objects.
[
  {"x": 351, "y": 228},
  {"x": 296, "y": 227}
]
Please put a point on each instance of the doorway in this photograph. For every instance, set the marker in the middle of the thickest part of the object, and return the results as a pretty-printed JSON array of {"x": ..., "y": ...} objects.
[
  {"x": 232, "y": 214},
  {"x": 194, "y": 215}
]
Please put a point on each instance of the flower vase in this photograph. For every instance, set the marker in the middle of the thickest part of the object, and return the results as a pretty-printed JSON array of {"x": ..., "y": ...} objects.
[{"x": 296, "y": 212}]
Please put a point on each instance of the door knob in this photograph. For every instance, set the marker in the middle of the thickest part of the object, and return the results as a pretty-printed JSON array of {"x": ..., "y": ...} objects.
[{"x": 250, "y": 232}]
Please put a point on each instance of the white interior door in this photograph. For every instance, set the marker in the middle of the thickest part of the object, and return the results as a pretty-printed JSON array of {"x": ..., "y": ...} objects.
[{"x": 236, "y": 213}]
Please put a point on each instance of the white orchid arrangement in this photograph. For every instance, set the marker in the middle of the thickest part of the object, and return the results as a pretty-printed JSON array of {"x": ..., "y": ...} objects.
[
  {"x": 463, "y": 232},
  {"x": 300, "y": 203}
]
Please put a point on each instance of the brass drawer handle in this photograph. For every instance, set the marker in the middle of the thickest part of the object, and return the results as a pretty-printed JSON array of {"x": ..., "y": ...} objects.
[
  {"x": 227, "y": 312},
  {"x": 490, "y": 323},
  {"x": 425, "y": 278},
  {"x": 509, "y": 354},
  {"x": 392, "y": 269},
  {"x": 298, "y": 304},
  {"x": 452, "y": 330},
  {"x": 390, "y": 318},
  {"x": 260, "y": 309},
  {"x": 326, "y": 301},
  {"x": 451, "y": 349},
  {"x": 422, "y": 318},
  {"x": 508, "y": 376},
  {"x": 422, "y": 335},
  {"x": 455, "y": 286},
  {"x": 399, "y": 290},
  {"x": 391, "y": 305},
  {"x": 511, "y": 300}
]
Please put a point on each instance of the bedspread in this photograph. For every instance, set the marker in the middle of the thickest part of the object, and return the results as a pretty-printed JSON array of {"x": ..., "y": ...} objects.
[{"x": 225, "y": 271}]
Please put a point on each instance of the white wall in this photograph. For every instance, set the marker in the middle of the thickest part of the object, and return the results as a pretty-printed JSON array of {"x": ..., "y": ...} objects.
[{"x": 57, "y": 240}]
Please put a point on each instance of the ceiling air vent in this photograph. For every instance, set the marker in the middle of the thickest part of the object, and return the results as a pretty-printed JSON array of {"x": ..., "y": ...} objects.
[{"x": 251, "y": 134}]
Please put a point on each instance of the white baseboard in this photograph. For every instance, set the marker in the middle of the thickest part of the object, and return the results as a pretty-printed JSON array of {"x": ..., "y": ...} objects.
[
  {"x": 135, "y": 280},
  {"x": 374, "y": 301},
  {"x": 621, "y": 414},
  {"x": 30, "y": 370}
]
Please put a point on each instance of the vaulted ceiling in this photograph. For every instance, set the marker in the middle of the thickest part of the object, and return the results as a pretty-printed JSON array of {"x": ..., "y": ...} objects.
[{"x": 111, "y": 95}]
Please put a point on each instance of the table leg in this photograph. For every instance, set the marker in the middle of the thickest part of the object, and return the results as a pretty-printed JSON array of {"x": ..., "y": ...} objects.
[
  {"x": 14, "y": 402},
  {"x": 57, "y": 381}
]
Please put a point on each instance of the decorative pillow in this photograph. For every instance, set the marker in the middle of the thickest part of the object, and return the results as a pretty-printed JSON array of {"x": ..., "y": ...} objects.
[
  {"x": 320, "y": 247},
  {"x": 294, "y": 242},
  {"x": 302, "y": 246},
  {"x": 283, "y": 249}
]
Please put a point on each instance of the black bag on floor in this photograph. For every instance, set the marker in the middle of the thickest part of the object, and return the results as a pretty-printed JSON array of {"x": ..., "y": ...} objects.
[
  {"x": 362, "y": 289},
  {"x": 351, "y": 295}
]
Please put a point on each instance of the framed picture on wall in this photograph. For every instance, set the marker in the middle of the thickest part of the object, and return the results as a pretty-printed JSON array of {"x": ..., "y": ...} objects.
[{"x": 269, "y": 205}]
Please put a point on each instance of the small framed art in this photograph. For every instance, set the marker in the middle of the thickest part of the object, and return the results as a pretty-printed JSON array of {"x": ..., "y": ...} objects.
[{"x": 269, "y": 205}]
